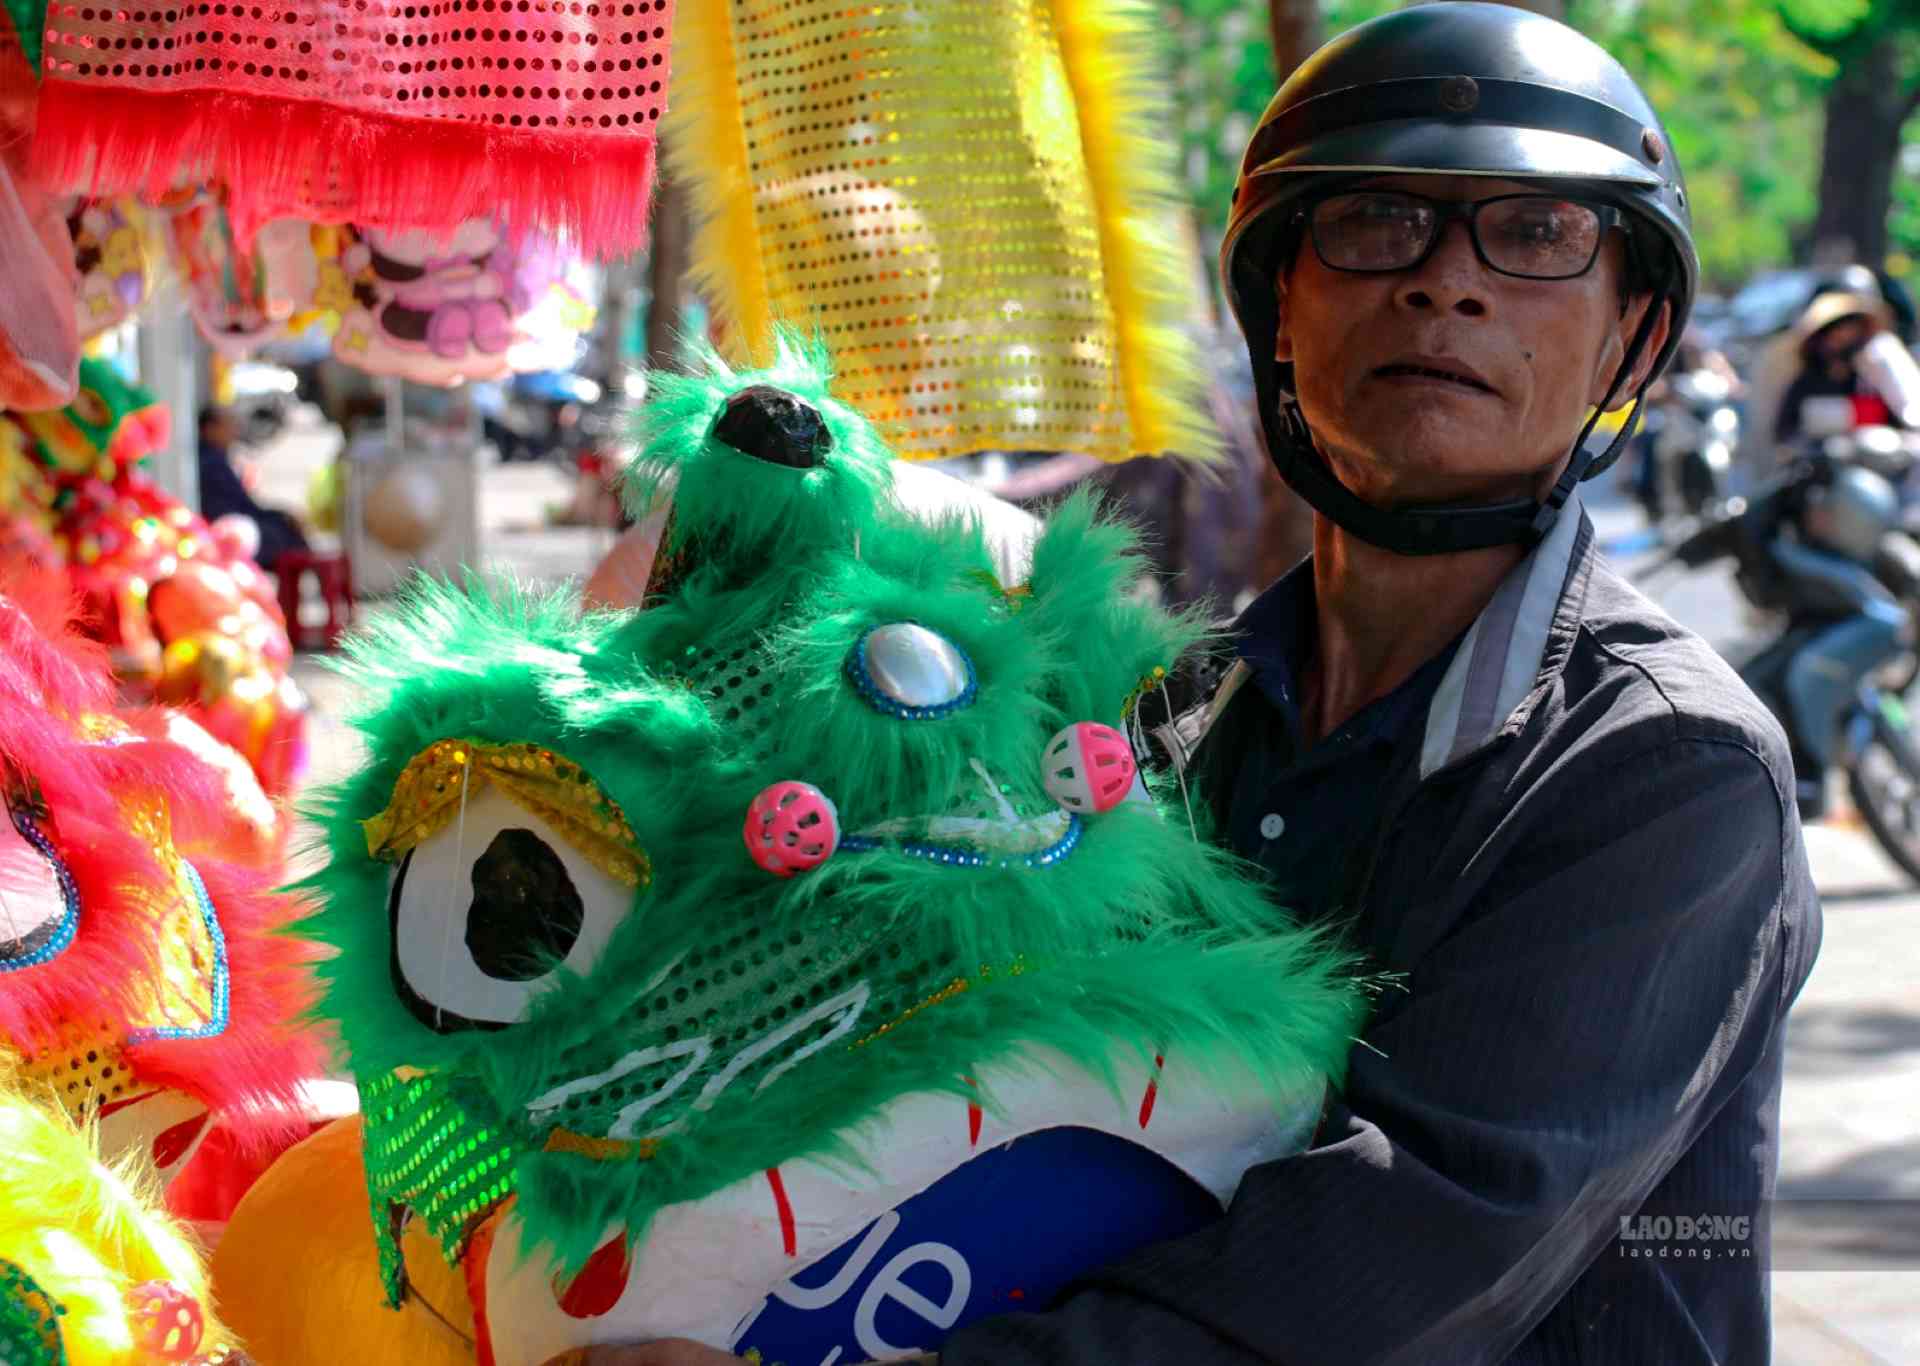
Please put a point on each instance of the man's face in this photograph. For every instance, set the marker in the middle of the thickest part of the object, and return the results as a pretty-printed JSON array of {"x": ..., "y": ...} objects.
[{"x": 1544, "y": 352}]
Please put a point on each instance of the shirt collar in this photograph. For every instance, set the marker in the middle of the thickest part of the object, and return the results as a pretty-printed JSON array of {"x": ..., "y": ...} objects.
[
  {"x": 1510, "y": 652},
  {"x": 1276, "y": 639}
]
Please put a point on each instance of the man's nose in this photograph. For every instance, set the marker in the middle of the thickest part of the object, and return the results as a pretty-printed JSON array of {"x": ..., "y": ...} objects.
[{"x": 1450, "y": 280}]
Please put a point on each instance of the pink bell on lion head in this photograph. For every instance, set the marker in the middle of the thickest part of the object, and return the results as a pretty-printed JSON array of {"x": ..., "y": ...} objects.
[
  {"x": 1088, "y": 768},
  {"x": 791, "y": 828}
]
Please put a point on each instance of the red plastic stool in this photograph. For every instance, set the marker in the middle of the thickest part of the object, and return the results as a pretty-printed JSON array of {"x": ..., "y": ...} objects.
[{"x": 334, "y": 577}]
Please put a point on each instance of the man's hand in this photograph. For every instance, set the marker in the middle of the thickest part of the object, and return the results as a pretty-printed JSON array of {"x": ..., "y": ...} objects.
[{"x": 671, "y": 1352}]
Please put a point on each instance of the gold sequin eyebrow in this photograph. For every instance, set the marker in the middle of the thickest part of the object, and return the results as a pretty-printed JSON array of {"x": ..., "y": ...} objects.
[{"x": 427, "y": 797}]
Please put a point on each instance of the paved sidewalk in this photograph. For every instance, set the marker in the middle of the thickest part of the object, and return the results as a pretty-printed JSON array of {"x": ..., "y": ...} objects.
[{"x": 1847, "y": 1231}]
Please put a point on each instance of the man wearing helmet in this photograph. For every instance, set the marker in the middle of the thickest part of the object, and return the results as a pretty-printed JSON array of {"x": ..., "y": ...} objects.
[
  {"x": 1556, "y": 817},
  {"x": 1559, "y": 823}
]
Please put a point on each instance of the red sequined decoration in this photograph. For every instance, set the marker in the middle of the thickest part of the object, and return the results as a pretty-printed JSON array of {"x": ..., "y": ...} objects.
[{"x": 374, "y": 111}]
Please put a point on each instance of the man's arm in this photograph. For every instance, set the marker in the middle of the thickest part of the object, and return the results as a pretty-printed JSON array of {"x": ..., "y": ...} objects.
[{"x": 1617, "y": 974}]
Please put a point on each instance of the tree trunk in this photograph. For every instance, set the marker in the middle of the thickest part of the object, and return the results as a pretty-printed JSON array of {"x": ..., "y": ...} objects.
[
  {"x": 1285, "y": 522},
  {"x": 1860, "y": 150},
  {"x": 1296, "y": 30},
  {"x": 667, "y": 273}
]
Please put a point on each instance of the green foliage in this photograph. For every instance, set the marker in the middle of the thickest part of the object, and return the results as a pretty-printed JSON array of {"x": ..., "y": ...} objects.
[
  {"x": 1841, "y": 28},
  {"x": 1903, "y": 226},
  {"x": 1222, "y": 65},
  {"x": 1740, "y": 95},
  {"x": 1740, "y": 84}
]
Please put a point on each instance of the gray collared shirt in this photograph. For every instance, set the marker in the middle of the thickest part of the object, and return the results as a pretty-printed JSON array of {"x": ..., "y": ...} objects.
[{"x": 1588, "y": 875}]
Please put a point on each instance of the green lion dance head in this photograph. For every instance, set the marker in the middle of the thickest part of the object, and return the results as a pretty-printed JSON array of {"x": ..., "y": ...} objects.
[{"x": 632, "y": 906}]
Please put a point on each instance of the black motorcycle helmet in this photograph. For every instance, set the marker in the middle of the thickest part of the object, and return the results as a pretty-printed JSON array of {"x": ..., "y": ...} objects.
[{"x": 1457, "y": 89}]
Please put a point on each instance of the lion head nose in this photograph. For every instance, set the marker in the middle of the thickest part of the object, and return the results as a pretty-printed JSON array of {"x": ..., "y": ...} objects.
[{"x": 772, "y": 425}]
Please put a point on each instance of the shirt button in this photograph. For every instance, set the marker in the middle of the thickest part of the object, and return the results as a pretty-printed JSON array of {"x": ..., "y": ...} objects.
[{"x": 1271, "y": 826}]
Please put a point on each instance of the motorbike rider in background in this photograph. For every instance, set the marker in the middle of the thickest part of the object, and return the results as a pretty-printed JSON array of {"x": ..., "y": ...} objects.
[
  {"x": 1834, "y": 330},
  {"x": 1667, "y": 402}
]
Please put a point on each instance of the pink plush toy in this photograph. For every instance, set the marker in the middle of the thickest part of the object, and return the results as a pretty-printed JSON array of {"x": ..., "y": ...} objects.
[{"x": 440, "y": 309}]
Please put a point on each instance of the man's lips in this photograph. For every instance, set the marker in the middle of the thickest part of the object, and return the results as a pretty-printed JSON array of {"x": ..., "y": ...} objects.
[{"x": 1442, "y": 368}]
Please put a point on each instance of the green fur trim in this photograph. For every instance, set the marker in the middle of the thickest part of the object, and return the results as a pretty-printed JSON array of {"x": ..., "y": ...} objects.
[
  {"x": 29, "y": 1321},
  {"x": 1141, "y": 940},
  {"x": 29, "y": 19}
]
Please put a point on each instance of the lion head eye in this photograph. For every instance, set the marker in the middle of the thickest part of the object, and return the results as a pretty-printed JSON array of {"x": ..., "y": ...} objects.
[
  {"x": 39, "y": 906},
  {"x": 905, "y": 670},
  {"x": 490, "y": 912}
]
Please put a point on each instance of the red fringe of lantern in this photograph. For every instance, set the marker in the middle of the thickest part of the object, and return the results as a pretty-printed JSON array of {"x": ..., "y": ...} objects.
[{"x": 283, "y": 158}]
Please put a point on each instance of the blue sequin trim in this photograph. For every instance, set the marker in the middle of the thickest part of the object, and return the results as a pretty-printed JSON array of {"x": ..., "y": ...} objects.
[
  {"x": 69, "y": 894},
  {"x": 863, "y": 684},
  {"x": 960, "y": 857},
  {"x": 218, "y": 1024}
]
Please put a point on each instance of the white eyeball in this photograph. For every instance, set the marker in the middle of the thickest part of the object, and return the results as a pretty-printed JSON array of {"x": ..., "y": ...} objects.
[
  {"x": 39, "y": 908},
  {"x": 490, "y": 911},
  {"x": 906, "y": 670}
]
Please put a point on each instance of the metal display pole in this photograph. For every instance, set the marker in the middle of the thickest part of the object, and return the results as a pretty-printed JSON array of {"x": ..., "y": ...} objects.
[{"x": 169, "y": 364}]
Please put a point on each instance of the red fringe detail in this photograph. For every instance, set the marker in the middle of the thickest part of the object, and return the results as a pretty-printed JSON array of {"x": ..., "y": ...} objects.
[{"x": 305, "y": 159}]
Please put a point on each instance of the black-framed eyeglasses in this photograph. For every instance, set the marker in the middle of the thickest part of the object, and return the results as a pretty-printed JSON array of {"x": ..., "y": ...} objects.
[{"x": 1530, "y": 236}]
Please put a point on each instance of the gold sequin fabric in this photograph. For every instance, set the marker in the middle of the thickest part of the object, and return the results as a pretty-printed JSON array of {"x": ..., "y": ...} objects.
[
  {"x": 83, "y": 1066},
  {"x": 430, "y": 790},
  {"x": 966, "y": 199}
]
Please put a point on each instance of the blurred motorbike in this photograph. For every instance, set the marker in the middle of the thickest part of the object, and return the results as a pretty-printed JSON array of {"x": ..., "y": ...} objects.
[
  {"x": 1693, "y": 435},
  {"x": 1821, "y": 547}
]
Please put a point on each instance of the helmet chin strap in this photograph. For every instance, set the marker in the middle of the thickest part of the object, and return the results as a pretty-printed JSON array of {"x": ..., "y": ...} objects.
[{"x": 1445, "y": 530}]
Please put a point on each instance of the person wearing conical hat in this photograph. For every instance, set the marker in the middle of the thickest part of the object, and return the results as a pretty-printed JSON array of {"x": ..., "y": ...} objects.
[{"x": 1828, "y": 338}]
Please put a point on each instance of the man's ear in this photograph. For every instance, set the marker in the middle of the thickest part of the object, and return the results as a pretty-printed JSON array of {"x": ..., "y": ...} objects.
[
  {"x": 1616, "y": 348},
  {"x": 1283, "y": 334}
]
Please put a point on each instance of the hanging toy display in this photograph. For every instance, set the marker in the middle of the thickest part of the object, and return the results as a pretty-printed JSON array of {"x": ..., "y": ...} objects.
[
  {"x": 633, "y": 1086},
  {"x": 189, "y": 618},
  {"x": 110, "y": 253},
  {"x": 226, "y": 282},
  {"x": 1055, "y": 320},
  {"x": 441, "y": 309},
  {"x": 306, "y": 263},
  {"x": 146, "y": 982}
]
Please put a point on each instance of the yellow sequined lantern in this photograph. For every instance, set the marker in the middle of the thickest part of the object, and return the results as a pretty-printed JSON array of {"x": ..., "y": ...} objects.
[{"x": 969, "y": 201}]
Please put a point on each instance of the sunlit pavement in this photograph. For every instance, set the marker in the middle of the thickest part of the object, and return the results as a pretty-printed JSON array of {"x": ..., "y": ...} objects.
[{"x": 1847, "y": 1228}]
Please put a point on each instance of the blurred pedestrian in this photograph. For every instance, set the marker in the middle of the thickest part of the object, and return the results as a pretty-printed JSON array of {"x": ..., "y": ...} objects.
[{"x": 223, "y": 492}]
